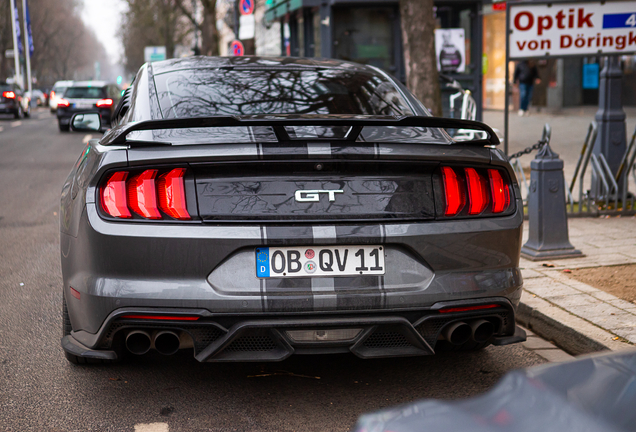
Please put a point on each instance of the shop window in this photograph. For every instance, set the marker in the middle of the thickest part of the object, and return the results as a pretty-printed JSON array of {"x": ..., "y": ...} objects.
[
  {"x": 448, "y": 17},
  {"x": 364, "y": 35}
]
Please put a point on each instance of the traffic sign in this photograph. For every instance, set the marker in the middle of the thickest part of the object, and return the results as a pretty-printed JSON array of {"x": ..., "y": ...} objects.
[
  {"x": 237, "y": 49},
  {"x": 246, "y": 7}
]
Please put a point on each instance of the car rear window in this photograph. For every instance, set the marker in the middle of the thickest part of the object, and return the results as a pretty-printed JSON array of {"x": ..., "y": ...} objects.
[
  {"x": 85, "y": 92},
  {"x": 234, "y": 91},
  {"x": 59, "y": 90}
]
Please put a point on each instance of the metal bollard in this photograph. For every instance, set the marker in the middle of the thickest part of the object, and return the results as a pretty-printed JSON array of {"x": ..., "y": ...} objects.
[{"x": 548, "y": 236}]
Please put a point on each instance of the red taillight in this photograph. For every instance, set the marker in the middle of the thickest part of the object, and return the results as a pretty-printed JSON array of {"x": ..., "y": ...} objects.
[
  {"x": 499, "y": 191},
  {"x": 114, "y": 196},
  {"x": 52, "y": 94},
  {"x": 172, "y": 200},
  {"x": 467, "y": 308},
  {"x": 477, "y": 192},
  {"x": 142, "y": 195},
  {"x": 162, "y": 317},
  {"x": 104, "y": 103},
  {"x": 485, "y": 192},
  {"x": 453, "y": 191},
  {"x": 63, "y": 103},
  {"x": 145, "y": 194},
  {"x": 9, "y": 94}
]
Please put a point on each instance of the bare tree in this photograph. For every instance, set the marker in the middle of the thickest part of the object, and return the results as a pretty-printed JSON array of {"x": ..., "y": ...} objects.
[
  {"x": 418, "y": 34},
  {"x": 63, "y": 46},
  {"x": 209, "y": 32},
  {"x": 151, "y": 23}
]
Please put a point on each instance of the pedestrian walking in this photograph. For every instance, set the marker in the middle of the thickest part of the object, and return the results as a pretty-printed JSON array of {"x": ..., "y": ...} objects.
[{"x": 526, "y": 75}]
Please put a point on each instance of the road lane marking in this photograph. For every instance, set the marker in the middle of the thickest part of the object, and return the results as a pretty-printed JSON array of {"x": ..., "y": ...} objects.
[
  {"x": 152, "y": 427},
  {"x": 87, "y": 138},
  {"x": 16, "y": 123}
]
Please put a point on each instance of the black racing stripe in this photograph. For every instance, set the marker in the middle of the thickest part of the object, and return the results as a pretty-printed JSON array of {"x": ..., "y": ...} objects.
[
  {"x": 362, "y": 234},
  {"x": 289, "y": 295},
  {"x": 357, "y": 151},
  {"x": 293, "y": 150},
  {"x": 289, "y": 235},
  {"x": 348, "y": 295}
]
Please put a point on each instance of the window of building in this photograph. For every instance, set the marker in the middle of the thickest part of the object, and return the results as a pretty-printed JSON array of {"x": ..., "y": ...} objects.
[{"x": 364, "y": 35}]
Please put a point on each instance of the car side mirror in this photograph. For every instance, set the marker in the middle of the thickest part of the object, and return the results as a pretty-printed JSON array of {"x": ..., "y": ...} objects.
[{"x": 86, "y": 122}]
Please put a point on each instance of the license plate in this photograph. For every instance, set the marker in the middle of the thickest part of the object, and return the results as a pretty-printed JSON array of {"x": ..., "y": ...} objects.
[
  {"x": 83, "y": 105},
  {"x": 317, "y": 261}
]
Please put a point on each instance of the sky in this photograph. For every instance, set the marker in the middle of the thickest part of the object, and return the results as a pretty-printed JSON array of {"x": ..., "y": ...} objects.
[{"x": 104, "y": 16}]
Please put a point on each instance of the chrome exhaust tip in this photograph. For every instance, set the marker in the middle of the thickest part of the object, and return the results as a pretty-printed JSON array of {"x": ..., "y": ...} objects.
[
  {"x": 167, "y": 342},
  {"x": 138, "y": 342},
  {"x": 457, "y": 333},
  {"x": 482, "y": 330}
]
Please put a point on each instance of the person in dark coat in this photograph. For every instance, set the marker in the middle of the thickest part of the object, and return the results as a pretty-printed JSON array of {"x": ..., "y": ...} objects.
[{"x": 526, "y": 75}]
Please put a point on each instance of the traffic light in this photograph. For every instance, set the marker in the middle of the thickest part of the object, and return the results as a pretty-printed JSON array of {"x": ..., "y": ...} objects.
[{"x": 119, "y": 80}]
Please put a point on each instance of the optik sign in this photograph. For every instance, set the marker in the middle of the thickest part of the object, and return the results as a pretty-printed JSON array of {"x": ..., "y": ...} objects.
[{"x": 563, "y": 29}]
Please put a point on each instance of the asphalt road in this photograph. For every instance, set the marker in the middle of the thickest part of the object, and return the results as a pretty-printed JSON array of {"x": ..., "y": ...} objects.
[{"x": 41, "y": 391}]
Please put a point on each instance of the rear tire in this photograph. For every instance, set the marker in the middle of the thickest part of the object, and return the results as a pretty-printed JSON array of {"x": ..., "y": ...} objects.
[
  {"x": 18, "y": 114},
  {"x": 63, "y": 128}
]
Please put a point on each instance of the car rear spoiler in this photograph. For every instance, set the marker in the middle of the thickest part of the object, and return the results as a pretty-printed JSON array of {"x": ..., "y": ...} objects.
[{"x": 279, "y": 122}]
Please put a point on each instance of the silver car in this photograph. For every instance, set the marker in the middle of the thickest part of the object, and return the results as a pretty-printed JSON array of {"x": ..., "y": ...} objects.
[{"x": 248, "y": 209}]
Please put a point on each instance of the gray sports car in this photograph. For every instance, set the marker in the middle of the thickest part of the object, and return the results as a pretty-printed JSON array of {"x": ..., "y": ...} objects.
[{"x": 251, "y": 208}]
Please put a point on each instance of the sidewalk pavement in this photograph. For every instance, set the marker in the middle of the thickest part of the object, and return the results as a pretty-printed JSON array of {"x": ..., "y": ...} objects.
[
  {"x": 569, "y": 127},
  {"x": 575, "y": 316}
]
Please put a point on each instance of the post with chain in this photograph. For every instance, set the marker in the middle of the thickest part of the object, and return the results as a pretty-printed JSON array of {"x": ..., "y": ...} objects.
[{"x": 548, "y": 221}]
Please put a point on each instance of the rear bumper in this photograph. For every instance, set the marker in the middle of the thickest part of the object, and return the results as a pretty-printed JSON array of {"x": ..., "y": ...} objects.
[
  {"x": 197, "y": 266},
  {"x": 218, "y": 338}
]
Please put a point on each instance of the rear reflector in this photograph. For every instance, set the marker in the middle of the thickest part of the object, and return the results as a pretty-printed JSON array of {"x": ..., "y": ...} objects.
[
  {"x": 499, "y": 191},
  {"x": 104, "y": 103},
  {"x": 162, "y": 317},
  {"x": 75, "y": 293},
  {"x": 63, "y": 103},
  {"x": 114, "y": 196},
  {"x": 477, "y": 192},
  {"x": 142, "y": 195},
  {"x": 9, "y": 94},
  {"x": 453, "y": 191},
  {"x": 467, "y": 308},
  {"x": 172, "y": 200}
]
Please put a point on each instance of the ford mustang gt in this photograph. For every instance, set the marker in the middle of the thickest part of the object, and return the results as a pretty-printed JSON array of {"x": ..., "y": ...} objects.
[{"x": 249, "y": 208}]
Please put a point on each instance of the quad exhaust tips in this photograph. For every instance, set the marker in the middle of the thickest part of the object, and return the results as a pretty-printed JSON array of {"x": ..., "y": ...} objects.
[
  {"x": 138, "y": 342},
  {"x": 165, "y": 342},
  {"x": 458, "y": 333}
]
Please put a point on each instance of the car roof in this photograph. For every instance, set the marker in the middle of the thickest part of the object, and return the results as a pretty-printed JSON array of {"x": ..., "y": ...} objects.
[
  {"x": 203, "y": 62},
  {"x": 89, "y": 84},
  {"x": 63, "y": 83}
]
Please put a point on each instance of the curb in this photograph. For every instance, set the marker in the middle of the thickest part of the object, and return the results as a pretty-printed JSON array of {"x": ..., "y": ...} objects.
[{"x": 572, "y": 334}]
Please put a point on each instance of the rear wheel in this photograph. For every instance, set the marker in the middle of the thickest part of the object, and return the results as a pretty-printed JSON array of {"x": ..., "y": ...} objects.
[
  {"x": 18, "y": 114},
  {"x": 63, "y": 127}
]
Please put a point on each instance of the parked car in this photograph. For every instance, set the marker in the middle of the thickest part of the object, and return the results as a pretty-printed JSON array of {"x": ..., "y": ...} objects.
[
  {"x": 38, "y": 96},
  {"x": 14, "y": 101},
  {"x": 87, "y": 96},
  {"x": 251, "y": 208},
  {"x": 57, "y": 92}
]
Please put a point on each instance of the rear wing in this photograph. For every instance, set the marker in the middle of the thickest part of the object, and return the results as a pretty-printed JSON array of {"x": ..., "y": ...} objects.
[{"x": 279, "y": 122}]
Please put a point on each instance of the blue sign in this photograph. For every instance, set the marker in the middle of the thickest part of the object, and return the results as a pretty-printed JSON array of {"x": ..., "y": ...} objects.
[
  {"x": 262, "y": 262},
  {"x": 621, "y": 20},
  {"x": 590, "y": 76}
]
